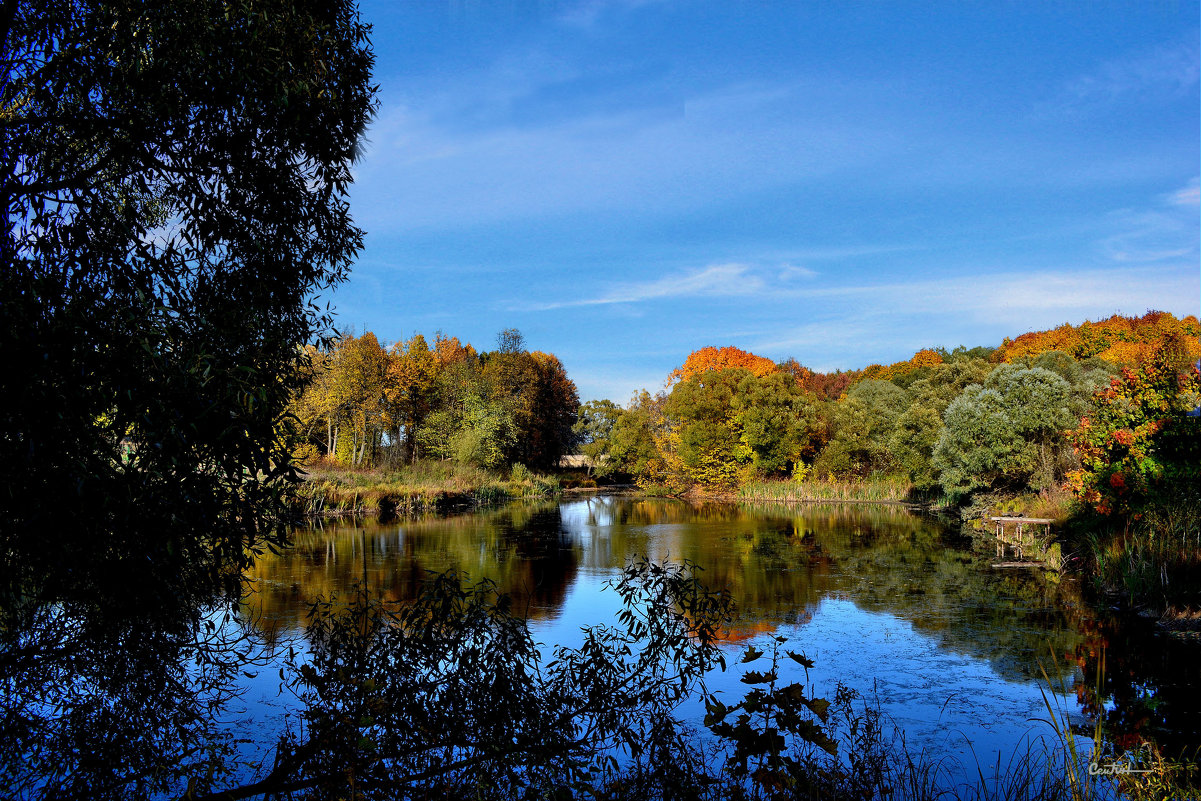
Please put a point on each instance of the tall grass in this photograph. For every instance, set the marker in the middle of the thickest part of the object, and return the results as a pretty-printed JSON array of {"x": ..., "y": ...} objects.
[
  {"x": 874, "y": 761},
  {"x": 873, "y": 489},
  {"x": 1154, "y": 561}
]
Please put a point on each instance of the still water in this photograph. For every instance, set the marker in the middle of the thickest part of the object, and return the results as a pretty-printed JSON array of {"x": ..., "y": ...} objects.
[{"x": 899, "y": 607}]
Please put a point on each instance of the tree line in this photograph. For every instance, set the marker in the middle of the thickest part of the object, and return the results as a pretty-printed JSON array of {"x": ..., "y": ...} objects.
[
  {"x": 366, "y": 403},
  {"x": 961, "y": 421}
]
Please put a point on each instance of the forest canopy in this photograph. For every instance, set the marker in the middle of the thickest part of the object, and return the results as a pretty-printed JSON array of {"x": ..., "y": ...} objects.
[
  {"x": 366, "y": 403},
  {"x": 959, "y": 422},
  {"x": 962, "y": 420}
]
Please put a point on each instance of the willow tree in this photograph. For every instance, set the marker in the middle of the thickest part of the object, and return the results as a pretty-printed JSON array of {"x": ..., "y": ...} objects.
[{"x": 174, "y": 178}]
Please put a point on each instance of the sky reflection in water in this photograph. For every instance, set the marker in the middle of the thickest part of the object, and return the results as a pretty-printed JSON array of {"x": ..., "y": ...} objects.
[{"x": 893, "y": 605}]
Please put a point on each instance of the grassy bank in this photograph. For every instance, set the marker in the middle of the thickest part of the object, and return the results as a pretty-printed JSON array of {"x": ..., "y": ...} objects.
[
  {"x": 874, "y": 489},
  {"x": 333, "y": 489},
  {"x": 1152, "y": 562}
]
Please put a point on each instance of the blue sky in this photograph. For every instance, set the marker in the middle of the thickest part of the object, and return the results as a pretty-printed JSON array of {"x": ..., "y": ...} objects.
[{"x": 841, "y": 182}]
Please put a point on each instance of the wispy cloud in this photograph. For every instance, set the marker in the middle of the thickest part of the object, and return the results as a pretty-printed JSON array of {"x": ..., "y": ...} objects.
[
  {"x": 715, "y": 280},
  {"x": 586, "y": 13},
  {"x": 850, "y": 326},
  {"x": 793, "y": 272},
  {"x": 1166, "y": 70},
  {"x": 1189, "y": 195},
  {"x": 509, "y": 144},
  {"x": 977, "y": 292},
  {"x": 1166, "y": 231}
]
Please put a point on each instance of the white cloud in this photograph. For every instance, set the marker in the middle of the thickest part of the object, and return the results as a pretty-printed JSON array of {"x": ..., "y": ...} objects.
[
  {"x": 1165, "y": 70},
  {"x": 586, "y": 13},
  {"x": 1167, "y": 231},
  {"x": 1063, "y": 294},
  {"x": 715, "y": 280},
  {"x": 487, "y": 148},
  {"x": 1189, "y": 195},
  {"x": 791, "y": 272},
  {"x": 848, "y": 327}
]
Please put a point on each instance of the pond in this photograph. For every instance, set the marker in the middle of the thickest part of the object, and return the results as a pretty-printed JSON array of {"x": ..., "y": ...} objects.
[{"x": 897, "y": 606}]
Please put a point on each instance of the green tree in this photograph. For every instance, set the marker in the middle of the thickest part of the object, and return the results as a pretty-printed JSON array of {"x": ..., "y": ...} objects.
[
  {"x": 919, "y": 427},
  {"x": 861, "y": 428},
  {"x": 1008, "y": 433},
  {"x": 485, "y": 435},
  {"x": 775, "y": 418},
  {"x": 594, "y": 433},
  {"x": 705, "y": 440},
  {"x": 633, "y": 445},
  {"x": 729, "y": 425}
]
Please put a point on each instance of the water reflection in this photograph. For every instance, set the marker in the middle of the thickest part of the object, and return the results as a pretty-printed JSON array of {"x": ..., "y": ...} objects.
[
  {"x": 778, "y": 562},
  {"x": 900, "y": 604}
]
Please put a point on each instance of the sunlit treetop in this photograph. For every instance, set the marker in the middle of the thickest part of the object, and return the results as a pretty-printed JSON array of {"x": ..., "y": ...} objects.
[
  {"x": 711, "y": 358},
  {"x": 927, "y": 357},
  {"x": 1123, "y": 341}
]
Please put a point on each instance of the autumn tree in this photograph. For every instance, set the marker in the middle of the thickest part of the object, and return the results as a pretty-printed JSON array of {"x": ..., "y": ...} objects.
[
  {"x": 556, "y": 404},
  {"x": 1141, "y": 436},
  {"x": 1122, "y": 341},
  {"x": 534, "y": 389},
  {"x": 347, "y": 395},
  {"x": 359, "y": 368},
  {"x": 904, "y": 373},
  {"x": 823, "y": 386},
  {"x": 710, "y": 358},
  {"x": 412, "y": 369}
]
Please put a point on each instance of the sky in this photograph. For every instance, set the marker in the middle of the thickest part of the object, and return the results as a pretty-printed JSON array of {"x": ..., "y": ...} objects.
[{"x": 844, "y": 183}]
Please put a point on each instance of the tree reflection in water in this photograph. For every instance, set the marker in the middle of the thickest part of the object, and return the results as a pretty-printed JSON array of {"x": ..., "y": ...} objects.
[
  {"x": 101, "y": 704},
  {"x": 779, "y": 563}
]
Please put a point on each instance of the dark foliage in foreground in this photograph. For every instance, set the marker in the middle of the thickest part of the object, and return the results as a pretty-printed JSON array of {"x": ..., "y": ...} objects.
[{"x": 174, "y": 181}]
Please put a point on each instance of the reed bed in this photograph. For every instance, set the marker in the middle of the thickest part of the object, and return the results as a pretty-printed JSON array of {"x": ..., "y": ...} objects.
[
  {"x": 1153, "y": 561},
  {"x": 874, "y": 489}
]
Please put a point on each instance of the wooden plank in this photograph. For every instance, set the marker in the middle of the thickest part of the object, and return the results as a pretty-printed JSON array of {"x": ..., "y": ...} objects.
[{"x": 1040, "y": 520}]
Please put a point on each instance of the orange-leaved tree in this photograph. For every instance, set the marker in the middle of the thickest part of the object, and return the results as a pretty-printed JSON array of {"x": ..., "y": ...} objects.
[
  {"x": 710, "y": 358},
  {"x": 1123, "y": 341},
  {"x": 1142, "y": 435}
]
